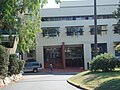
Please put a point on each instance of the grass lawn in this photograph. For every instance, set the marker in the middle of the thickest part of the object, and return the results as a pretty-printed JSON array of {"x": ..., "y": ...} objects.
[{"x": 97, "y": 80}]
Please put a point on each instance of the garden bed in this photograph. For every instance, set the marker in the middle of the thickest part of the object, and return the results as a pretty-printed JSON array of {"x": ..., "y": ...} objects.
[
  {"x": 97, "y": 80},
  {"x": 7, "y": 80}
]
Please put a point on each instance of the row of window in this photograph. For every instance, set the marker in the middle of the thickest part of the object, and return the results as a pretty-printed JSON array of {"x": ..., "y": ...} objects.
[
  {"x": 76, "y": 30},
  {"x": 66, "y": 18}
]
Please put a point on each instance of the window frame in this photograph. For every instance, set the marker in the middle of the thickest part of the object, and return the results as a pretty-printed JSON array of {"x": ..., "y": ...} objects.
[
  {"x": 50, "y": 31},
  {"x": 73, "y": 30},
  {"x": 100, "y": 29}
]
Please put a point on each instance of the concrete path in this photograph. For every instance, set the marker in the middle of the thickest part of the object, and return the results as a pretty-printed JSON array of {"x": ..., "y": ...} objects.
[{"x": 43, "y": 81}]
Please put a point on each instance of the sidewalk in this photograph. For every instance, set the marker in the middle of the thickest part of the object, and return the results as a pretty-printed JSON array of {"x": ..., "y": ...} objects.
[{"x": 64, "y": 70}]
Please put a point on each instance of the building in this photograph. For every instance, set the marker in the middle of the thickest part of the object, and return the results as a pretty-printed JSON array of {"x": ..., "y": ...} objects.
[
  {"x": 67, "y": 37},
  {"x": 9, "y": 40}
]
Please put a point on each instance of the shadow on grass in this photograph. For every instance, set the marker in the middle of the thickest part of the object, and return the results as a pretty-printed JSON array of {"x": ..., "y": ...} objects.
[
  {"x": 113, "y": 84},
  {"x": 114, "y": 73},
  {"x": 100, "y": 75}
]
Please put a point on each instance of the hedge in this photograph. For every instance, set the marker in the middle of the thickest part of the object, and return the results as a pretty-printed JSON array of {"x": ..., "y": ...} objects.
[
  {"x": 15, "y": 65},
  {"x": 104, "y": 62},
  {"x": 4, "y": 61}
]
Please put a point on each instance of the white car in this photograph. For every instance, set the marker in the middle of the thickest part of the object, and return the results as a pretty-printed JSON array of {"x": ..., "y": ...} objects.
[{"x": 32, "y": 66}]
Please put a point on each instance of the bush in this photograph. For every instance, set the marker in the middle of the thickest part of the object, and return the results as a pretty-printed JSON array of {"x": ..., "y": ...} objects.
[
  {"x": 15, "y": 65},
  {"x": 4, "y": 61},
  {"x": 104, "y": 62},
  {"x": 118, "y": 62},
  {"x": 21, "y": 65}
]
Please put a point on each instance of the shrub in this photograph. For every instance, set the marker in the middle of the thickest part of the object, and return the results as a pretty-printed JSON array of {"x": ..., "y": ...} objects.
[
  {"x": 4, "y": 61},
  {"x": 15, "y": 65},
  {"x": 104, "y": 62},
  {"x": 21, "y": 65},
  {"x": 118, "y": 62}
]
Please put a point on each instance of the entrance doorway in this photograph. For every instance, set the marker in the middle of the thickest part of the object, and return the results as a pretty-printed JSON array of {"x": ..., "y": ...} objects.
[
  {"x": 52, "y": 55},
  {"x": 74, "y": 56}
]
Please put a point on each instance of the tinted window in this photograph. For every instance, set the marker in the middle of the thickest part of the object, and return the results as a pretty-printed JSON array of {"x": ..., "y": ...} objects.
[{"x": 35, "y": 64}]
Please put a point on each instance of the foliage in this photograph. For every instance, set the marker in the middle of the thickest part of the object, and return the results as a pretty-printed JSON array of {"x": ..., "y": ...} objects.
[
  {"x": 21, "y": 65},
  {"x": 117, "y": 17},
  {"x": 97, "y": 80},
  {"x": 4, "y": 61},
  {"x": 10, "y": 38},
  {"x": 24, "y": 17},
  {"x": 104, "y": 62},
  {"x": 117, "y": 47},
  {"x": 15, "y": 65}
]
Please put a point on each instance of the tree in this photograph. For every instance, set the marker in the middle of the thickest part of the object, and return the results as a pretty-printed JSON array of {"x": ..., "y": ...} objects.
[
  {"x": 117, "y": 17},
  {"x": 118, "y": 47},
  {"x": 23, "y": 16}
]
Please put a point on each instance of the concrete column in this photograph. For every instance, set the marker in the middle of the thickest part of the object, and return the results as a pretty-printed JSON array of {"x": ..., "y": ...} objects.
[
  {"x": 63, "y": 54},
  {"x": 110, "y": 47},
  {"x": 40, "y": 55},
  {"x": 87, "y": 54}
]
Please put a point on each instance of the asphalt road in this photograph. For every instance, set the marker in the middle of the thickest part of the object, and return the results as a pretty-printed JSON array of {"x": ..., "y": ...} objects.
[{"x": 42, "y": 81}]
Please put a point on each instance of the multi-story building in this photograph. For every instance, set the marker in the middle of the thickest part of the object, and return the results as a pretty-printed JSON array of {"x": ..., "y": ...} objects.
[
  {"x": 9, "y": 40},
  {"x": 67, "y": 38}
]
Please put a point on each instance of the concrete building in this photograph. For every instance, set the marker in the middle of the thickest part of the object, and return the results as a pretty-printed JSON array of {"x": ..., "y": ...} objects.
[
  {"x": 67, "y": 38},
  {"x": 10, "y": 42}
]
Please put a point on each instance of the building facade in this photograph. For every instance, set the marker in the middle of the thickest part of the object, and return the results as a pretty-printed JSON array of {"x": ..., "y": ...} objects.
[{"x": 67, "y": 38}]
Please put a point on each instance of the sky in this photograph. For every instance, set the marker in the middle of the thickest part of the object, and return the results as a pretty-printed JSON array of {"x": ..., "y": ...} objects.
[{"x": 52, "y": 4}]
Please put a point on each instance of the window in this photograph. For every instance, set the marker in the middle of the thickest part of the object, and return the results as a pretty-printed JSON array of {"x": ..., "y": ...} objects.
[
  {"x": 50, "y": 31},
  {"x": 73, "y": 52},
  {"x": 101, "y": 48},
  {"x": 101, "y": 29},
  {"x": 74, "y": 30},
  {"x": 52, "y": 53},
  {"x": 90, "y": 18},
  {"x": 104, "y": 29},
  {"x": 92, "y": 30},
  {"x": 66, "y": 18}
]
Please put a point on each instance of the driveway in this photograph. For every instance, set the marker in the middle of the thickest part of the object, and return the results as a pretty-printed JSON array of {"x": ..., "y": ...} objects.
[{"x": 43, "y": 81}]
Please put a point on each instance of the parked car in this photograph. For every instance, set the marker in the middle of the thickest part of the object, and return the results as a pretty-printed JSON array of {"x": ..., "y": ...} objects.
[{"x": 32, "y": 66}]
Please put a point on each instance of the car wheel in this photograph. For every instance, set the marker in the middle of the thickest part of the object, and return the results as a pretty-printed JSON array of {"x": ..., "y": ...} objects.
[{"x": 35, "y": 70}]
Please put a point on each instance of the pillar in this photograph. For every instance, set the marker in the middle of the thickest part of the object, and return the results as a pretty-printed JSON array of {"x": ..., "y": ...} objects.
[
  {"x": 87, "y": 55},
  {"x": 63, "y": 54}
]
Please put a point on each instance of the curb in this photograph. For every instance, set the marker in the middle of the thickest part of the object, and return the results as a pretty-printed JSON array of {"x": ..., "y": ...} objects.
[
  {"x": 8, "y": 80},
  {"x": 1, "y": 83},
  {"x": 82, "y": 88}
]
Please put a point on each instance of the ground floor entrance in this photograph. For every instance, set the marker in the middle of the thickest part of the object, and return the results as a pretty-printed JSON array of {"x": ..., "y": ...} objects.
[
  {"x": 53, "y": 55},
  {"x": 74, "y": 55},
  {"x": 64, "y": 56}
]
